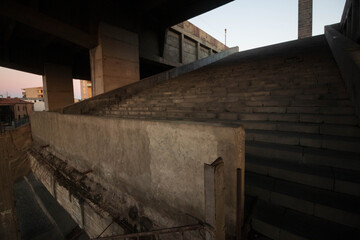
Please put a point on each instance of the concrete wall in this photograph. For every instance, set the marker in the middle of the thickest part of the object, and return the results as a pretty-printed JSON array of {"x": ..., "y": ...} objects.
[
  {"x": 183, "y": 43},
  {"x": 161, "y": 164}
]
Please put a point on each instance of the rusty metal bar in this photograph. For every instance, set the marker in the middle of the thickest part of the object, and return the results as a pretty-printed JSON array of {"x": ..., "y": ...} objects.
[
  {"x": 105, "y": 229},
  {"x": 161, "y": 231}
]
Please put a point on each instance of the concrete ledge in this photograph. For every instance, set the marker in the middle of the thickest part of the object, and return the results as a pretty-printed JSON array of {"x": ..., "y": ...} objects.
[
  {"x": 160, "y": 164},
  {"x": 347, "y": 56},
  {"x": 102, "y": 100}
]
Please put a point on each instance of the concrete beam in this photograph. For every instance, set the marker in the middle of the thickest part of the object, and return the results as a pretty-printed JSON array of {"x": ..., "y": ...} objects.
[{"x": 42, "y": 22}]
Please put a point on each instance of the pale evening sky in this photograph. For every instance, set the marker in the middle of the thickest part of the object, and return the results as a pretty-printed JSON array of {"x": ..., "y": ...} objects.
[{"x": 249, "y": 23}]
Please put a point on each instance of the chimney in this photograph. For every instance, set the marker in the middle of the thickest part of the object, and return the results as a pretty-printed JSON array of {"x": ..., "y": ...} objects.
[{"x": 305, "y": 19}]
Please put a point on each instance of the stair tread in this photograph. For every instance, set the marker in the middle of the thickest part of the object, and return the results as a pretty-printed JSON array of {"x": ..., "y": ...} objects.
[
  {"x": 304, "y": 225},
  {"x": 328, "y": 198},
  {"x": 311, "y": 169},
  {"x": 311, "y": 155},
  {"x": 341, "y": 143},
  {"x": 300, "y": 127}
]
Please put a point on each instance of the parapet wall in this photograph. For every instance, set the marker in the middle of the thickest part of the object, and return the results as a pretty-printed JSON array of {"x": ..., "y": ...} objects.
[{"x": 160, "y": 164}]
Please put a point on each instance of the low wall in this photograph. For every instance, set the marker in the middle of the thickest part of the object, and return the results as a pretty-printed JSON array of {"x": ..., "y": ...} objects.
[
  {"x": 158, "y": 163},
  {"x": 346, "y": 54}
]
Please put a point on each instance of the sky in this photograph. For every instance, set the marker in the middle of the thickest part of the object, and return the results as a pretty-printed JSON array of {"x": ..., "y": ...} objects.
[{"x": 249, "y": 23}]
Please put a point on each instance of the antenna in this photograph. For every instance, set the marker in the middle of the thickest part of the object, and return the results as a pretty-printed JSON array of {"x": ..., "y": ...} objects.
[{"x": 225, "y": 36}]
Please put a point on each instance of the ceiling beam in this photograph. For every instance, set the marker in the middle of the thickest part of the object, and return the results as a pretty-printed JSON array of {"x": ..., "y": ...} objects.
[{"x": 42, "y": 22}]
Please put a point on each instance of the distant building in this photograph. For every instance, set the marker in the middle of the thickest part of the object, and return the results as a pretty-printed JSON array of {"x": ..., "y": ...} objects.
[
  {"x": 34, "y": 95},
  {"x": 86, "y": 89},
  {"x": 14, "y": 112},
  {"x": 35, "y": 92}
]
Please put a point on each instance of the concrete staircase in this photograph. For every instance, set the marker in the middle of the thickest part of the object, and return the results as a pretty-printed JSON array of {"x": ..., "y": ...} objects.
[{"x": 302, "y": 135}]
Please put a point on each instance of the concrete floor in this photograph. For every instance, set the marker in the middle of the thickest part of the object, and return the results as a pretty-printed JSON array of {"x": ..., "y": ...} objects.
[
  {"x": 39, "y": 214},
  {"x": 27, "y": 210}
]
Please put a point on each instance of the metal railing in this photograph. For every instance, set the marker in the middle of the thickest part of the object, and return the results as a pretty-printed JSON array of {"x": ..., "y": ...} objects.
[{"x": 205, "y": 231}]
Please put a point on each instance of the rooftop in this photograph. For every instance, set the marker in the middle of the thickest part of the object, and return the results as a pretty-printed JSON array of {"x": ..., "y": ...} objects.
[{"x": 12, "y": 101}]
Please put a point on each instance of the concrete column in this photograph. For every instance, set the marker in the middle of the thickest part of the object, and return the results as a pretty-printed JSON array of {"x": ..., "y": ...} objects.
[
  {"x": 58, "y": 87},
  {"x": 305, "y": 18},
  {"x": 115, "y": 61},
  {"x": 214, "y": 198},
  {"x": 181, "y": 48}
]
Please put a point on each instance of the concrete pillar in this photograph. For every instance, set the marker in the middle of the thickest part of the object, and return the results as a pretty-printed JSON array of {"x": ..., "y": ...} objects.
[
  {"x": 58, "y": 87},
  {"x": 305, "y": 18},
  {"x": 214, "y": 198},
  {"x": 115, "y": 61}
]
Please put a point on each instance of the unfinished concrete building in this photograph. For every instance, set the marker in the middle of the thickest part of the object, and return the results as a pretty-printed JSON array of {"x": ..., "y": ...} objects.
[{"x": 264, "y": 141}]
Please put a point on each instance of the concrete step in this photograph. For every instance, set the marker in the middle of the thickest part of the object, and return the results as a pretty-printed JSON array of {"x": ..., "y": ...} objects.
[
  {"x": 314, "y": 128},
  {"x": 287, "y": 101},
  {"x": 334, "y": 179},
  {"x": 302, "y": 118},
  {"x": 298, "y": 154},
  {"x": 340, "y": 143},
  {"x": 240, "y": 108},
  {"x": 336, "y": 207},
  {"x": 279, "y": 223}
]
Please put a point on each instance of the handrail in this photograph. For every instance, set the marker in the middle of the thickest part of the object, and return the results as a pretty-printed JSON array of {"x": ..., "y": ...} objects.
[{"x": 156, "y": 233}]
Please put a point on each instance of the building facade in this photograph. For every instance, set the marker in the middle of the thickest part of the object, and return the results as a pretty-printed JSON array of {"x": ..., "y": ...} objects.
[
  {"x": 34, "y": 95},
  {"x": 86, "y": 89},
  {"x": 14, "y": 111}
]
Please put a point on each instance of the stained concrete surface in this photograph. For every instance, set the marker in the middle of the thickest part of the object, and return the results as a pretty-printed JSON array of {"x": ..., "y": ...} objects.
[
  {"x": 39, "y": 214},
  {"x": 13, "y": 143},
  {"x": 36, "y": 214},
  {"x": 160, "y": 163}
]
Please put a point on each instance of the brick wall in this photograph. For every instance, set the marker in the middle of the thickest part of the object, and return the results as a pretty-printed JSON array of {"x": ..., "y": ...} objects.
[{"x": 305, "y": 19}]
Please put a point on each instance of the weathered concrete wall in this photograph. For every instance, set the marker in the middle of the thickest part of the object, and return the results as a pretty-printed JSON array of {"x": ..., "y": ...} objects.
[{"x": 161, "y": 164}]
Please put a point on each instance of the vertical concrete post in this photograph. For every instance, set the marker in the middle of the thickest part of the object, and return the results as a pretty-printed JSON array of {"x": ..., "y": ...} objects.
[
  {"x": 197, "y": 50},
  {"x": 305, "y": 18},
  {"x": 58, "y": 86},
  {"x": 214, "y": 198},
  {"x": 181, "y": 48},
  {"x": 115, "y": 61}
]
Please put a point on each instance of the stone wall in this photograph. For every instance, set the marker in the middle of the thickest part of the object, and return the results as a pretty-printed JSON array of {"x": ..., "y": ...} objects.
[{"x": 159, "y": 164}]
